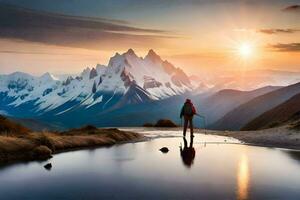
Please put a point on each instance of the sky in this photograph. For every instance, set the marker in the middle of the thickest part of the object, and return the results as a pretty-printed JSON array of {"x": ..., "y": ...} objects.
[{"x": 66, "y": 36}]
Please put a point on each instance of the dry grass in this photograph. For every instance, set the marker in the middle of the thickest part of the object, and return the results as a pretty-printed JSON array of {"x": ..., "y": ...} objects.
[
  {"x": 37, "y": 145},
  {"x": 9, "y": 128}
]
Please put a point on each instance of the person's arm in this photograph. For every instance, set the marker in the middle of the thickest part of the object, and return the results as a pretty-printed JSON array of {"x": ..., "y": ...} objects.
[
  {"x": 181, "y": 112},
  {"x": 194, "y": 110}
]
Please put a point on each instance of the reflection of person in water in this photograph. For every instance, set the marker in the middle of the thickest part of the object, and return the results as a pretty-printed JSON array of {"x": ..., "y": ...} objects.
[{"x": 187, "y": 153}]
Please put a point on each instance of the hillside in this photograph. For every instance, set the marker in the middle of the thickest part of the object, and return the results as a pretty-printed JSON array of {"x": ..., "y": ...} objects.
[
  {"x": 36, "y": 125},
  {"x": 287, "y": 111},
  {"x": 240, "y": 116},
  {"x": 217, "y": 105},
  {"x": 8, "y": 127}
]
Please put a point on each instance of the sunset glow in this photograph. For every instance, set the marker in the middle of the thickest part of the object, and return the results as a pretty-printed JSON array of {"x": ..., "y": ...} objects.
[
  {"x": 195, "y": 40},
  {"x": 245, "y": 50},
  {"x": 150, "y": 99},
  {"x": 243, "y": 178}
]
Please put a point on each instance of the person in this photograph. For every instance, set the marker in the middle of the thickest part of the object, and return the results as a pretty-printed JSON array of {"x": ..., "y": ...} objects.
[
  {"x": 187, "y": 112},
  {"x": 187, "y": 153}
]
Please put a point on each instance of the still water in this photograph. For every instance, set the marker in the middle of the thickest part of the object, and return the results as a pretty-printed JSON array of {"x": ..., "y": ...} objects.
[{"x": 209, "y": 167}]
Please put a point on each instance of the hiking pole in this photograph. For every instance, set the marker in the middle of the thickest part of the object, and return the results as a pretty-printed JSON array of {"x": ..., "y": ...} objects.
[{"x": 204, "y": 120}]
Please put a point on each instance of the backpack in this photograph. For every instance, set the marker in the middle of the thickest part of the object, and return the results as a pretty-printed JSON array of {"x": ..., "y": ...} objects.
[{"x": 188, "y": 109}]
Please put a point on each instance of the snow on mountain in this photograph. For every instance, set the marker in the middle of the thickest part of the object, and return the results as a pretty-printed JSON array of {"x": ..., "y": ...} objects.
[
  {"x": 23, "y": 87},
  {"x": 127, "y": 76}
]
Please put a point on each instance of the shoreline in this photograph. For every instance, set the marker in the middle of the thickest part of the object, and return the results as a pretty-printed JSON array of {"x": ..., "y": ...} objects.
[
  {"x": 42, "y": 146},
  {"x": 286, "y": 147},
  {"x": 280, "y": 137},
  {"x": 142, "y": 139}
]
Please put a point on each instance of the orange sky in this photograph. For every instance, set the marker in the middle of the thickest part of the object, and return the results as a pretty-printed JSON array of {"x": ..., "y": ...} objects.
[{"x": 195, "y": 37}]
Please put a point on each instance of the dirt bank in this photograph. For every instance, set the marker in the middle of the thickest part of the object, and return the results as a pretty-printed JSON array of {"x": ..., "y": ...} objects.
[
  {"x": 282, "y": 137},
  {"x": 38, "y": 146}
]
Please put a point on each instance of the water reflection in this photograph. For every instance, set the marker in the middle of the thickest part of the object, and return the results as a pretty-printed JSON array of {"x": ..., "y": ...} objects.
[
  {"x": 243, "y": 178},
  {"x": 294, "y": 154},
  {"x": 227, "y": 171},
  {"x": 188, "y": 153}
]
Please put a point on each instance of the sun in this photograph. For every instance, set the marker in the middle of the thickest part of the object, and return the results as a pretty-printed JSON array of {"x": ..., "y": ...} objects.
[{"x": 245, "y": 50}]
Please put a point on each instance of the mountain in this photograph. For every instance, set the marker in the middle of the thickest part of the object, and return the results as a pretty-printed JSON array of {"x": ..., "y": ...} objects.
[
  {"x": 240, "y": 116},
  {"x": 218, "y": 104},
  {"x": 129, "y": 91},
  {"x": 245, "y": 80},
  {"x": 281, "y": 114},
  {"x": 127, "y": 79}
]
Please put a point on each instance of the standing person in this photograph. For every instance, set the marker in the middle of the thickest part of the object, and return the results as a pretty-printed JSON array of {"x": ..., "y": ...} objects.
[{"x": 187, "y": 112}]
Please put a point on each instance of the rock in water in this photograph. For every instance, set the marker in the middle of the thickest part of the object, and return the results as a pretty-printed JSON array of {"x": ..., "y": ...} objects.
[
  {"x": 164, "y": 150},
  {"x": 48, "y": 166}
]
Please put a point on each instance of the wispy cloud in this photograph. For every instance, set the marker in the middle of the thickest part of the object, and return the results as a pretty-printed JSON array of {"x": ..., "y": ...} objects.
[
  {"x": 292, "y": 8},
  {"x": 286, "y": 47},
  {"x": 40, "y": 53},
  {"x": 74, "y": 31},
  {"x": 278, "y": 31}
]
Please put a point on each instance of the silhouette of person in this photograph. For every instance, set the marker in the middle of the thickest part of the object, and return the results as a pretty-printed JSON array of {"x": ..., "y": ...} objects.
[
  {"x": 187, "y": 153},
  {"x": 187, "y": 112}
]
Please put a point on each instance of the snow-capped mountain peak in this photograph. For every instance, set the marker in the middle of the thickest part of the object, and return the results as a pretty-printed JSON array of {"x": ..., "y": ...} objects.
[
  {"x": 130, "y": 52},
  {"x": 153, "y": 57},
  {"x": 48, "y": 77},
  {"x": 127, "y": 77}
]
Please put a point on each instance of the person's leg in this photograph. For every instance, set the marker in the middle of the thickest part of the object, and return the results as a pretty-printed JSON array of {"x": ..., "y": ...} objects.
[
  {"x": 185, "y": 124},
  {"x": 191, "y": 126},
  {"x": 191, "y": 142},
  {"x": 185, "y": 143}
]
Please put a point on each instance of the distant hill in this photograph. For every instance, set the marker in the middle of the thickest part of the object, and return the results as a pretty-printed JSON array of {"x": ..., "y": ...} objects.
[
  {"x": 283, "y": 113},
  {"x": 8, "y": 127},
  {"x": 36, "y": 125},
  {"x": 240, "y": 116},
  {"x": 220, "y": 103}
]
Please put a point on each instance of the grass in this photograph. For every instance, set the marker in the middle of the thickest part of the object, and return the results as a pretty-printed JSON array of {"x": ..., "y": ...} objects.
[
  {"x": 41, "y": 145},
  {"x": 10, "y": 128}
]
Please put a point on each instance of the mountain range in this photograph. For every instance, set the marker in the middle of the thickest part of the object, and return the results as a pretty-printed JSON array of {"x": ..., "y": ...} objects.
[
  {"x": 285, "y": 113},
  {"x": 216, "y": 105},
  {"x": 127, "y": 79},
  {"x": 240, "y": 116},
  {"x": 133, "y": 90}
]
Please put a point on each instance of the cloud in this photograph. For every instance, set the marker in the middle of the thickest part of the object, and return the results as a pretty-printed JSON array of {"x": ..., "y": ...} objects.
[
  {"x": 40, "y": 53},
  {"x": 292, "y": 8},
  {"x": 74, "y": 31},
  {"x": 278, "y": 31},
  {"x": 289, "y": 47}
]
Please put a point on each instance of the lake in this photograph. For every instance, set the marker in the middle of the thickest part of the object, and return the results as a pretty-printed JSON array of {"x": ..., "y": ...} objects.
[{"x": 209, "y": 167}]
